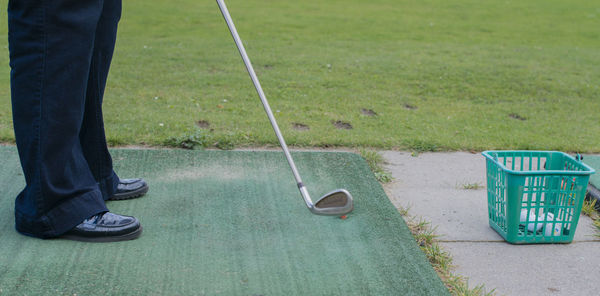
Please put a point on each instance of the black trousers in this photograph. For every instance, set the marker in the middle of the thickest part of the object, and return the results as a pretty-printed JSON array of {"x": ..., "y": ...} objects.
[{"x": 60, "y": 54}]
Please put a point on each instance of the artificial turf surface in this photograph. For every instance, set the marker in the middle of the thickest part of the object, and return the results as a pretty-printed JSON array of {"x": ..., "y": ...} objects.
[
  {"x": 594, "y": 162},
  {"x": 225, "y": 223}
]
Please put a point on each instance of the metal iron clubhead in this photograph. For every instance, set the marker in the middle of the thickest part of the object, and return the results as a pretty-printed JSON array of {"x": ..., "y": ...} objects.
[{"x": 337, "y": 202}]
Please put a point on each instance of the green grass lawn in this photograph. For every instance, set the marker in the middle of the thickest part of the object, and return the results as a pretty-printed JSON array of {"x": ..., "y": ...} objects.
[{"x": 440, "y": 75}]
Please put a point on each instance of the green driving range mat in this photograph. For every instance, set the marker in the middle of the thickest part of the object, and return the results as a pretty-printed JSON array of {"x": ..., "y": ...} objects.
[
  {"x": 225, "y": 223},
  {"x": 594, "y": 162}
]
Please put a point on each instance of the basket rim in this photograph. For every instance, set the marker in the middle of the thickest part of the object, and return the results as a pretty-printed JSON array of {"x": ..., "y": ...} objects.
[{"x": 589, "y": 170}]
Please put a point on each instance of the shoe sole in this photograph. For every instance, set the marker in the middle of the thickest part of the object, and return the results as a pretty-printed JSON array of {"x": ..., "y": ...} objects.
[
  {"x": 131, "y": 194},
  {"x": 105, "y": 239}
]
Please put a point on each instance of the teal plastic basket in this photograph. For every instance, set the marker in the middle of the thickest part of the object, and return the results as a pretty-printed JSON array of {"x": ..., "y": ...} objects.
[{"x": 535, "y": 196}]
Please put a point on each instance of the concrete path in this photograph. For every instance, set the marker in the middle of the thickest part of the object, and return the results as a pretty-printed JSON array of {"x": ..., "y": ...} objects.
[{"x": 431, "y": 186}]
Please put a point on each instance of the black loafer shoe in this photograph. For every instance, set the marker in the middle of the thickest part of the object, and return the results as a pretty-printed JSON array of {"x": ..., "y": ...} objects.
[
  {"x": 130, "y": 188},
  {"x": 105, "y": 227}
]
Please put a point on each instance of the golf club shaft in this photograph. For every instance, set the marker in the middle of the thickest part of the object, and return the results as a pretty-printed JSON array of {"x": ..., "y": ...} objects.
[{"x": 261, "y": 94}]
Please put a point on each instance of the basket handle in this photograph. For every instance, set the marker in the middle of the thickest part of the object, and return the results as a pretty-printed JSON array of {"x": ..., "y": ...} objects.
[
  {"x": 578, "y": 157},
  {"x": 495, "y": 155}
]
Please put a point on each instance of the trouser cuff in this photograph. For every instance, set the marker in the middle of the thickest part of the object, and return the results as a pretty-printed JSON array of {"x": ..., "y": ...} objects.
[
  {"x": 63, "y": 217},
  {"x": 108, "y": 186}
]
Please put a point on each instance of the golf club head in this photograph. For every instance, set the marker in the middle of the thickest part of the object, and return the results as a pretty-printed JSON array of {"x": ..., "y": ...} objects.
[{"x": 337, "y": 202}]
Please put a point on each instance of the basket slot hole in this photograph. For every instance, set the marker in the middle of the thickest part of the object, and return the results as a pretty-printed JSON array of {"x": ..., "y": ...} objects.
[
  {"x": 542, "y": 164},
  {"x": 522, "y": 160}
]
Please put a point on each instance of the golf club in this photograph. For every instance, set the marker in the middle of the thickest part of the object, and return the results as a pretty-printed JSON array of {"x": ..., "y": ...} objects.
[{"x": 337, "y": 202}]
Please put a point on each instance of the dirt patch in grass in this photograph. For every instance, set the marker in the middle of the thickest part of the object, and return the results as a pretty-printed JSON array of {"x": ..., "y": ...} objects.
[
  {"x": 300, "y": 126},
  {"x": 517, "y": 116},
  {"x": 203, "y": 124},
  {"x": 410, "y": 107},
  {"x": 368, "y": 112},
  {"x": 342, "y": 125}
]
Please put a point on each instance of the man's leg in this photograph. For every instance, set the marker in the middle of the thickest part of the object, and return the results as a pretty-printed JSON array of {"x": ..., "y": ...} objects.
[
  {"x": 92, "y": 135},
  {"x": 50, "y": 44}
]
